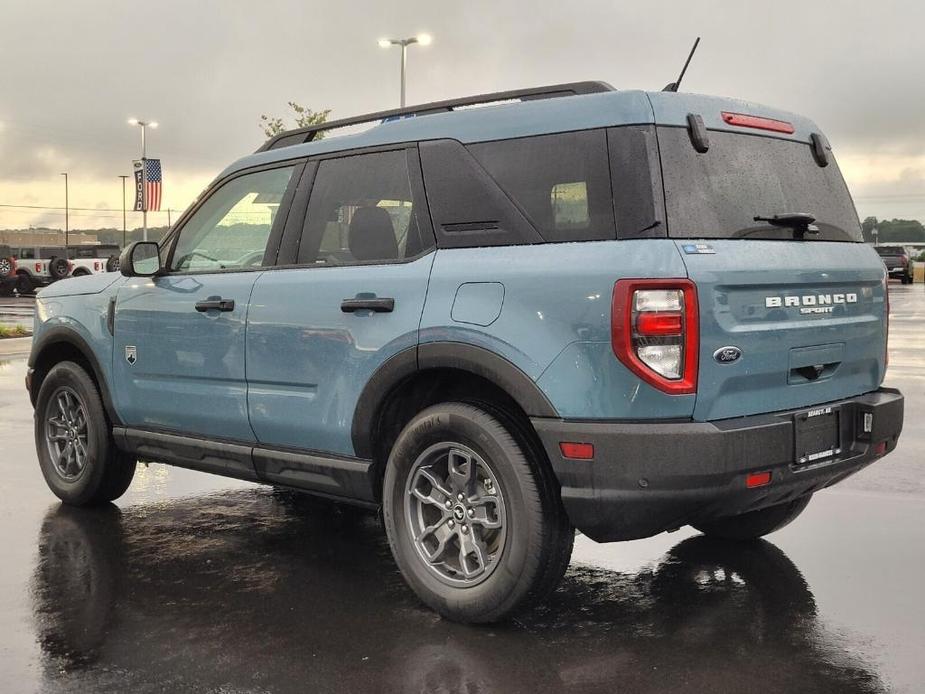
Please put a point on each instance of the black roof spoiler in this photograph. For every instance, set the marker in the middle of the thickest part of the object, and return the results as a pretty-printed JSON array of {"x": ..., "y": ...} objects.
[{"x": 302, "y": 135}]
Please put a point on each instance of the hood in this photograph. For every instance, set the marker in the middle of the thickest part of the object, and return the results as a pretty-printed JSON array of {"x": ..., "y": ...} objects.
[{"x": 75, "y": 286}]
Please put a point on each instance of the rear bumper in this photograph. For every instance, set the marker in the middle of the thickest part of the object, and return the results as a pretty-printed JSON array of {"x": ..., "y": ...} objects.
[{"x": 646, "y": 478}]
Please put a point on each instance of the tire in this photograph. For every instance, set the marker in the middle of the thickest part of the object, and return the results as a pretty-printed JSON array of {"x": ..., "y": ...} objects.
[
  {"x": 24, "y": 284},
  {"x": 517, "y": 518},
  {"x": 112, "y": 264},
  {"x": 754, "y": 524},
  {"x": 6, "y": 268},
  {"x": 80, "y": 272},
  {"x": 57, "y": 268},
  {"x": 92, "y": 470}
]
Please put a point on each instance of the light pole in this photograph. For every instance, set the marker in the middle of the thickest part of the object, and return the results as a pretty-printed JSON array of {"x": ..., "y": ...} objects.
[
  {"x": 123, "y": 177},
  {"x": 66, "y": 210},
  {"x": 422, "y": 39},
  {"x": 144, "y": 124}
]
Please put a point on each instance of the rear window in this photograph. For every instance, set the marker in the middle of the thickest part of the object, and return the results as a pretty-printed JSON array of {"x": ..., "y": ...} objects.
[
  {"x": 718, "y": 193},
  {"x": 561, "y": 182}
]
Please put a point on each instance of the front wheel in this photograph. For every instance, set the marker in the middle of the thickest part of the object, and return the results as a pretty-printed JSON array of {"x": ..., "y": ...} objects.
[
  {"x": 472, "y": 518},
  {"x": 754, "y": 524},
  {"x": 73, "y": 439}
]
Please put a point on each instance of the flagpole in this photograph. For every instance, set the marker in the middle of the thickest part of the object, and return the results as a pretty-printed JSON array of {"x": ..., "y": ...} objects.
[{"x": 144, "y": 193}]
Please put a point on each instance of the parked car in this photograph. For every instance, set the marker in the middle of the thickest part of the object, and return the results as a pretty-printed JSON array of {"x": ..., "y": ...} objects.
[
  {"x": 93, "y": 259},
  {"x": 898, "y": 262},
  {"x": 7, "y": 270},
  {"x": 498, "y": 324},
  {"x": 39, "y": 266}
]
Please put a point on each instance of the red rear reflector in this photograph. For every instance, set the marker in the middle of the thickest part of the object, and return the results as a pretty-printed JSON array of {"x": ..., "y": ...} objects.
[
  {"x": 577, "y": 451},
  {"x": 745, "y": 121},
  {"x": 880, "y": 448},
  {"x": 758, "y": 479},
  {"x": 659, "y": 324}
]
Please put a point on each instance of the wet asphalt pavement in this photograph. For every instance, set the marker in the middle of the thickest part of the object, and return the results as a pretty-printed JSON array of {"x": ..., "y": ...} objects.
[{"x": 197, "y": 583}]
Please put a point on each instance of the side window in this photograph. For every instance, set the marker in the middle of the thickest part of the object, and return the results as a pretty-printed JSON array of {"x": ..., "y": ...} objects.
[
  {"x": 362, "y": 210},
  {"x": 230, "y": 230},
  {"x": 561, "y": 181},
  {"x": 26, "y": 253}
]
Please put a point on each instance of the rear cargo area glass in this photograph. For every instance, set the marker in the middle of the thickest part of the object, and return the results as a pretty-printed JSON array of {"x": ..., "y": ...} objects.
[{"x": 718, "y": 193}]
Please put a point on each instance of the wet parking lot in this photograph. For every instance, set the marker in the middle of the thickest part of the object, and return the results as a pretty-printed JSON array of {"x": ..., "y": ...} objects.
[{"x": 197, "y": 583}]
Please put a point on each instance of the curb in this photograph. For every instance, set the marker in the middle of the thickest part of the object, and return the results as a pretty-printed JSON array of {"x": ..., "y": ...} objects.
[{"x": 15, "y": 347}]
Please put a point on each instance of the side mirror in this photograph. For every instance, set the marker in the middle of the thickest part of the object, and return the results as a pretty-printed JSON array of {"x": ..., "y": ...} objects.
[{"x": 140, "y": 259}]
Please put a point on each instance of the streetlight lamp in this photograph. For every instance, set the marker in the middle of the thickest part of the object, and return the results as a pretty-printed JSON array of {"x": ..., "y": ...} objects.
[
  {"x": 421, "y": 39},
  {"x": 144, "y": 125},
  {"x": 123, "y": 177},
  {"x": 66, "y": 210}
]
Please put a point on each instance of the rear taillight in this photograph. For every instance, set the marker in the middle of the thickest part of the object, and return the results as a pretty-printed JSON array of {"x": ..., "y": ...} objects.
[
  {"x": 38, "y": 267},
  {"x": 655, "y": 333},
  {"x": 96, "y": 266}
]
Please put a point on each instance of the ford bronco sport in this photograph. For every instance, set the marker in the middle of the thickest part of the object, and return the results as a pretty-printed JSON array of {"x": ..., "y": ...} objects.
[{"x": 619, "y": 312}]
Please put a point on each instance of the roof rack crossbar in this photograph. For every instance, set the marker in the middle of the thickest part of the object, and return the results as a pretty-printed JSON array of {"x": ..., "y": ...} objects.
[{"x": 302, "y": 135}]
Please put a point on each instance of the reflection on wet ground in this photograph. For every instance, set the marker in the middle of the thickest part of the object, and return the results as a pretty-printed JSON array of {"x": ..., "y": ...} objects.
[
  {"x": 195, "y": 592},
  {"x": 197, "y": 583}
]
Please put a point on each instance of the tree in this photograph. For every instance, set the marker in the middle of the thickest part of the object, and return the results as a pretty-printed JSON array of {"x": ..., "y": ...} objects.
[{"x": 302, "y": 116}]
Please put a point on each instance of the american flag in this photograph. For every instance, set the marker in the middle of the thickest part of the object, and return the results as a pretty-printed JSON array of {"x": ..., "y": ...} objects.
[{"x": 153, "y": 184}]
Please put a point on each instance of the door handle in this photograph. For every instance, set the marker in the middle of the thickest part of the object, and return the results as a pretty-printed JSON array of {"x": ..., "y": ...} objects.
[
  {"x": 215, "y": 303},
  {"x": 383, "y": 305}
]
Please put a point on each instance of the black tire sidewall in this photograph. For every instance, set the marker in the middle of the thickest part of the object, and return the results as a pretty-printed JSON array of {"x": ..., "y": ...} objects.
[
  {"x": 55, "y": 269},
  {"x": 470, "y": 427},
  {"x": 84, "y": 489}
]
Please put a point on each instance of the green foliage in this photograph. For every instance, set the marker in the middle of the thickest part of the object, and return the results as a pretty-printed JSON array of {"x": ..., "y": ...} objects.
[
  {"x": 893, "y": 230},
  {"x": 302, "y": 118},
  {"x": 14, "y": 331}
]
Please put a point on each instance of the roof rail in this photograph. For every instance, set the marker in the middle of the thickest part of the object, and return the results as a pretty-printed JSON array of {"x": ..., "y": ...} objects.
[{"x": 302, "y": 135}]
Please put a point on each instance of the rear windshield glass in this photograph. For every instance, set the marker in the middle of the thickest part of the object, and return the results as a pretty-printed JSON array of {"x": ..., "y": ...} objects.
[
  {"x": 890, "y": 250},
  {"x": 718, "y": 194},
  {"x": 561, "y": 182}
]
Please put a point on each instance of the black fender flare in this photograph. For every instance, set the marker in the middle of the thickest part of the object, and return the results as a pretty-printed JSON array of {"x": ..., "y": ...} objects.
[
  {"x": 62, "y": 335},
  {"x": 442, "y": 355}
]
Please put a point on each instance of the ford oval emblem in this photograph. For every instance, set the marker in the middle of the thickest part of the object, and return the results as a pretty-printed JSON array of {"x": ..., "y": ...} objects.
[{"x": 727, "y": 355}]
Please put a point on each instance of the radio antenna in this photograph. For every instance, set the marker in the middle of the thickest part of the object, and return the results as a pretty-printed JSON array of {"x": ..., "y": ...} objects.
[{"x": 673, "y": 86}]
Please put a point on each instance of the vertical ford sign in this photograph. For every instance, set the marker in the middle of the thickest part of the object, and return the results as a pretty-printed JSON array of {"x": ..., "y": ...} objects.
[{"x": 139, "y": 171}]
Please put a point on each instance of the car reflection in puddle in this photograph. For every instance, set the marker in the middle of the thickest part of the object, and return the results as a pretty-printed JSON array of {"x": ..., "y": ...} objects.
[{"x": 271, "y": 591}]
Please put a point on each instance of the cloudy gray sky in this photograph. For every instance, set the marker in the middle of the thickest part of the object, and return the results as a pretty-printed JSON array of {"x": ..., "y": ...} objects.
[{"x": 73, "y": 72}]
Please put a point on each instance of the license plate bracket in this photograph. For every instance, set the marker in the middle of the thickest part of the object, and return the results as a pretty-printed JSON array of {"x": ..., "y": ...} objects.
[{"x": 816, "y": 435}]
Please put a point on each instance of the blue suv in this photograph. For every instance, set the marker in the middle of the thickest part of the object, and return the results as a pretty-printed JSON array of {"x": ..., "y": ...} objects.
[{"x": 569, "y": 308}]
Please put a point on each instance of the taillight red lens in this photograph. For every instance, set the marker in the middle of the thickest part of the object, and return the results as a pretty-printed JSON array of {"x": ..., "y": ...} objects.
[
  {"x": 38, "y": 267},
  {"x": 655, "y": 333},
  {"x": 744, "y": 120},
  {"x": 652, "y": 323}
]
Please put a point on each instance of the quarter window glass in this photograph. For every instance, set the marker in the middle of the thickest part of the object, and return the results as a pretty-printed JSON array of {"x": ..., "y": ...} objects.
[
  {"x": 230, "y": 230},
  {"x": 561, "y": 181},
  {"x": 362, "y": 211}
]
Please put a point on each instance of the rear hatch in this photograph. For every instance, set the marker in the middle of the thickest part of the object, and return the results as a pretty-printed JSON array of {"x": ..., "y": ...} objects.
[{"x": 790, "y": 315}]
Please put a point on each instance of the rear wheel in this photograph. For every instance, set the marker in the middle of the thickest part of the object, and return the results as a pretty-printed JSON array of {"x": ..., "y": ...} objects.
[
  {"x": 754, "y": 524},
  {"x": 474, "y": 525},
  {"x": 78, "y": 457},
  {"x": 24, "y": 283},
  {"x": 58, "y": 268}
]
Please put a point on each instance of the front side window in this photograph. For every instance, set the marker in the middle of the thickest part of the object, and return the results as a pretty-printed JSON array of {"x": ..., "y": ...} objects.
[
  {"x": 562, "y": 182},
  {"x": 362, "y": 210},
  {"x": 231, "y": 228}
]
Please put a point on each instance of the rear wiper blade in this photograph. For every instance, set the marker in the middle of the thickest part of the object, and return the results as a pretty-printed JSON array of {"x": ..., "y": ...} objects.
[{"x": 800, "y": 222}]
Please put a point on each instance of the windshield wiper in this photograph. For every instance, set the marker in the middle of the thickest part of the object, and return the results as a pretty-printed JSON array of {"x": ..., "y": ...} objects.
[{"x": 800, "y": 222}]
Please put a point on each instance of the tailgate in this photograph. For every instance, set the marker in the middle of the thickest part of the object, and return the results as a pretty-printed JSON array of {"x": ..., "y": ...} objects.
[{"x": 807, "y": 318}]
